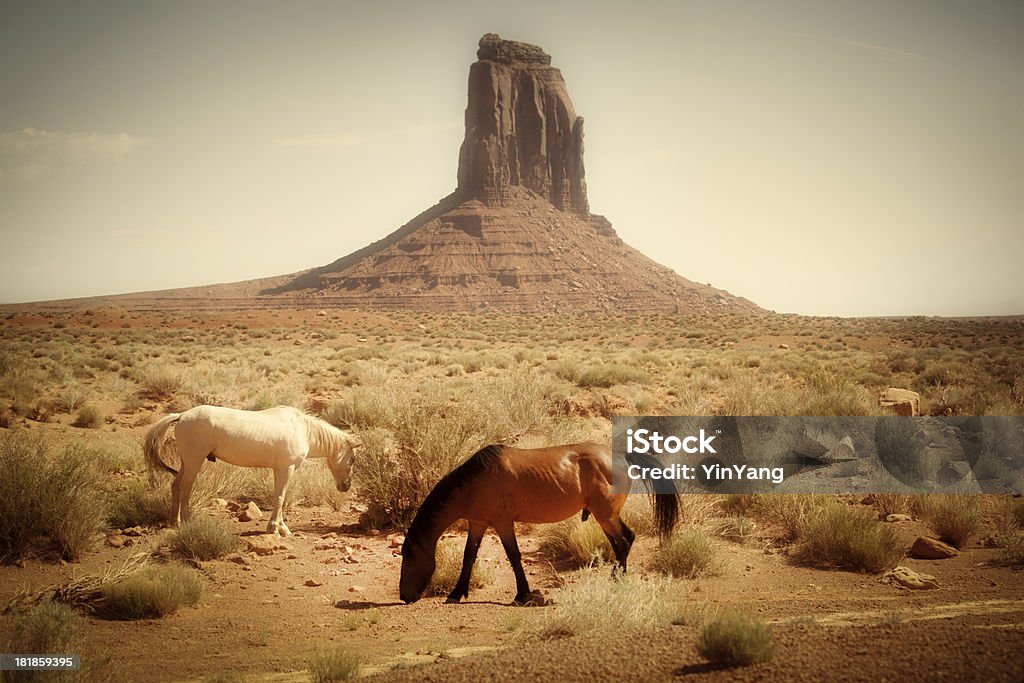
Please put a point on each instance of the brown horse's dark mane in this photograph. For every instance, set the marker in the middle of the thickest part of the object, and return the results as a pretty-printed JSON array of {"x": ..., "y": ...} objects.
[{"x": 436, "y": 501}]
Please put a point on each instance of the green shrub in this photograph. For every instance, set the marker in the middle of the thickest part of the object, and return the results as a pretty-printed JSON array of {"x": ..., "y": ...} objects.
[
  {"x": 735, "y": 639},
  {"x": 152, "y": 593},
  {"x": 1013, "y": 550},
  {"x": 955, "y": 518},
  {"x": 837, "y": 536},
  {"x": 690, "y": 555},
  {"x": 44, "y": 497},
  {"x": 203, "y": 538},
  {"x": 336, "y": 664},
  {"x": 611, "y": 374},
  {"x": 90, "y": 417},
  {"x": 577, "y": 543},
  {"x": 137, "y": 505}
]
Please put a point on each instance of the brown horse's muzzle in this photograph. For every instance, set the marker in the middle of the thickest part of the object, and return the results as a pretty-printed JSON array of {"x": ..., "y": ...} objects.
[{"x": 345, "y": 486}]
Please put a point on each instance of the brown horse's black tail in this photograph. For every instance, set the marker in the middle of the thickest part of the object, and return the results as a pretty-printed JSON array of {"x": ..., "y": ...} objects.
[{"x": 664, "y": 495}]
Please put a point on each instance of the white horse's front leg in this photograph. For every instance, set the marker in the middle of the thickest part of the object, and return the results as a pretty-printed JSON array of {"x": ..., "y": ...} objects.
[{"x": 282, "y": 475}]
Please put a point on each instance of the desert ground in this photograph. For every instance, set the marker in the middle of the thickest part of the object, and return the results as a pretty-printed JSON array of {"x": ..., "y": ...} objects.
[{"x": 79, "y": 388}]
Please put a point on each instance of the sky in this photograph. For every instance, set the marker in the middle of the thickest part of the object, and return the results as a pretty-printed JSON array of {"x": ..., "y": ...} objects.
[{"x": 816, "y": 157}]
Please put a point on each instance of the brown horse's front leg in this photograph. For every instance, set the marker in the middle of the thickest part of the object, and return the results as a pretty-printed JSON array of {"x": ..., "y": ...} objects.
[
  {"x": 507, "y": 534},
  {"x": 473, "y": 538}
]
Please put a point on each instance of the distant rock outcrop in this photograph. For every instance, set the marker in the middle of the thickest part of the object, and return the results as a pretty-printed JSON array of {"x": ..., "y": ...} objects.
[{"x": 521, "y": 129}]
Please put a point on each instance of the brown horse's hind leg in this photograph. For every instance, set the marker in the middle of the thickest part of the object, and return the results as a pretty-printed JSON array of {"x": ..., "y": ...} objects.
[
  {"x": 476, "y": 534},
  {"x": 507, "y": 534}
]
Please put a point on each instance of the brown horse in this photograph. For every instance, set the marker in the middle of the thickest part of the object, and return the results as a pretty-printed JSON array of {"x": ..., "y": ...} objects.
[{"x": 500, "y": 485}]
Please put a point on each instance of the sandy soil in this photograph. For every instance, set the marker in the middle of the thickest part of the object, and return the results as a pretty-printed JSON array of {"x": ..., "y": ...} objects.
[{"x": 332, "y": 585}]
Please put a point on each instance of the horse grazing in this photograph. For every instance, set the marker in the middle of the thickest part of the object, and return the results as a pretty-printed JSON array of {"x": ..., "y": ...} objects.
[
  {"x": 500, "y": 485},
  {"x": 280, "y": 438}
]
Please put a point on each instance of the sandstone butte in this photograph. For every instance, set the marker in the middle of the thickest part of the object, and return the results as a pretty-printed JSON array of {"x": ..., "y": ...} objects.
[{"x": 516, "y": 235}]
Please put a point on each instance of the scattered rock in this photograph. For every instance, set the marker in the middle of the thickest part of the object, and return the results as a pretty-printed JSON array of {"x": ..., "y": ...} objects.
[
  {"x": 313, "y": 583},
  {"x": 321, "y": 313},
  {"x": 188, "y": 338},
  {"x": 266, "y": 545},
  {"x": 356, "y": 589},
  {"x": 132, "y": 531},
  {"x": 783, "y": 346},
  {"x": 250, "y": 513},
  {"x": 908, "y": 578},
  {"x": 238, "y": 558},
  {"x": 396, "y": 541},
  {"x": 896, "y": 517},
  {"x": 932, "y": 549},
  {"x": 220, "y": 503},
  {"x": 901, "y": 401},
  {"x": 116, "y": 541}
]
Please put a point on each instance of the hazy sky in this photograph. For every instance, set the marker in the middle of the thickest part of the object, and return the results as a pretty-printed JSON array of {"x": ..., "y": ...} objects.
[{"x": 839, "y": 158}]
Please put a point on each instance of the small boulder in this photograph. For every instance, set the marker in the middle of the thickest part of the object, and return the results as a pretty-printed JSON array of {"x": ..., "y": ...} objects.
[
  {"x": 116, "y": 540},
  {"x": 313, "y": 583},
  {"x": 901, "y": 401},
  {"x": 908, "y": 578},
  {"x": 932, "y": 549},
  {"x": 250, "y": 513},
  {"x": 896, "y": 517}
]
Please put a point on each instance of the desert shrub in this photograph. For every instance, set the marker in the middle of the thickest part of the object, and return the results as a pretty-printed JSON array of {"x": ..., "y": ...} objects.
[
  {"x": 601, "y": 602},
  {"x": 577, "y": 543},
  {"x": 411, "y": 440},
  {"x": 788, "y": 512},
  {"x": 690, "y": 555},
  {"x": 955, "y": 518},
  {"x": 203, "y": 538},
  {"x": 735, "y": 639},
  {"x": 900, "y": 448},
  {"x": 610, "y": 374},
  {"x": 333, "y": 665},
  {"x": 52, "y": 628},
  {"x": 152, "y": 593},
  {"x": 449, "y": 566},
  {"x": 834, "y": 394},
  {"x": 838, "y": 536},
  {"x": 736, "y": 529},
  {"x": 160, "y": 382},
  {"x": 737, "y": 503},
  {"x": 46, "y": 497},
  {"x": 1017, "y": 513},
  {"x": 1013, "y": 550},
  {"x": 90, "y": 417},
  {"x": 137, "y": 505},
  {"x": 892, "y": 503}
]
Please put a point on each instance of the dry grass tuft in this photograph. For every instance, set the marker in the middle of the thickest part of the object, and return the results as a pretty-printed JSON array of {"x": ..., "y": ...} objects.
[{"x": 736, "y": 639}]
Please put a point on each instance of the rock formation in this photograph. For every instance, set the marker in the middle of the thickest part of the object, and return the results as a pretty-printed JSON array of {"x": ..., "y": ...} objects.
[
  {"x": 516, "y": 235},
  {"x": 521, "y": 129}
]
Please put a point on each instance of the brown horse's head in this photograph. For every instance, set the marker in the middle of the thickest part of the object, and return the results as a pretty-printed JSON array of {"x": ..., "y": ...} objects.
[{"x": 418, "y": 565}]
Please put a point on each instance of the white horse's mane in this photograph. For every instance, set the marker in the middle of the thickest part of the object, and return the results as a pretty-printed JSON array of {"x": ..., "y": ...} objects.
[{"x": 326, "y": 438}]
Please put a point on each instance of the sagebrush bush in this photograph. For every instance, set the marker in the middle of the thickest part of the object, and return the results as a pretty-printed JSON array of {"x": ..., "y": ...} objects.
[
  {"x": 138, "y": 505},
  {"x": 411, "y": 440},
  {"x": 203, "y": 538},
  {"x": 954, "y": 518},
  {"x": 160, "y": 382},
  {"x": 736, "y": 529},
  {"x": 46, "y": 497},
  {"x": 576, "y": 543},
  {"x": 152, "y": 593},
  {"x": 334, "y": 665},
  {"x": 449, "y": 565},
  {"x": 90, "y": 417},
  {"x": 611, "y": 374},
  {"x": 840, "y": 537},
  {"x": 689, "y": 555},
  {"x": 735, "y": 639}
]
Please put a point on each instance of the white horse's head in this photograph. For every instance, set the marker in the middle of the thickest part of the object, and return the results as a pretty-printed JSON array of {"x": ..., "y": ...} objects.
[{"x": 339, "y": 460}]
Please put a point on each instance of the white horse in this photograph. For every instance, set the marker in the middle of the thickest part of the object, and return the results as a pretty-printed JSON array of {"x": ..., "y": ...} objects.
[{"x": 280, "y": 438}]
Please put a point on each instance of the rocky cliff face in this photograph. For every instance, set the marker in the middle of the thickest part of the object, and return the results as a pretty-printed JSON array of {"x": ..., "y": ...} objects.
[{"x": 521, "y": 129}]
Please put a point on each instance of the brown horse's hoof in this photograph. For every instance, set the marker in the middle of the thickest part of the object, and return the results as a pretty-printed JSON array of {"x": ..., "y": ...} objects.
[
  {"x": 453, "y": 600},
  {"x": 531, "y": 599}
]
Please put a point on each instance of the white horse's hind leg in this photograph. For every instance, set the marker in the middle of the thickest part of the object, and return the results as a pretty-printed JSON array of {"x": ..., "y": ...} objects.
[
  {"x": 186, "y": 479},
  {"x": 175, "y": 518},
  {"x": 282, "y": 475}
]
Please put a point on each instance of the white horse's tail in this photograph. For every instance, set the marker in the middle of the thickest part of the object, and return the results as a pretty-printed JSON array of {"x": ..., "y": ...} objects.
[{"x": 155, "y": 444}]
